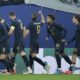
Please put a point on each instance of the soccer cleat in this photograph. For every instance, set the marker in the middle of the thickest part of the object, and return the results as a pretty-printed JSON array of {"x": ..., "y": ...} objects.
[
  {"x": 68, "y": 72},
  {"x": 47, "y": 68},
  {"x": 4, "y": 72},
  {"x": 59, "y": 72},
  {"x": 14, "y": 70},
  {"x": 29, "y": 71}
]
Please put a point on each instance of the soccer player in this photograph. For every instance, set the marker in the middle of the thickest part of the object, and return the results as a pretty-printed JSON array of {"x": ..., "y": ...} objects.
[
  {"x": 17, "y": 28},
  {"x": 76, "y": 51},
  {"x": 7, "y": 45},
  {"x": 3, "y": 48},
  {"x": 34, "y": 30},
  {"x": 58, "y": 34},
  {"x": 8, "y": 41}
]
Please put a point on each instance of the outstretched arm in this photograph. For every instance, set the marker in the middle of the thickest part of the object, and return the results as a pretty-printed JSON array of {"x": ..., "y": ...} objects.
[
  {"x": 71, "y": 40},
  {"x": 42, "y": 17}
]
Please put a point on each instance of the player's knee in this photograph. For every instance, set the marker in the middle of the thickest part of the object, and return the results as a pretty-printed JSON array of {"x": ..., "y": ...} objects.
[
  {"x": 56, "y": 54},
  {"x": 22, "y": 53},
  {"x": 75, "y": 52},
  {"x": 13, "y": 54},
  {"x": 33, "y": 55},
  {"x": 2, "y": 56}
]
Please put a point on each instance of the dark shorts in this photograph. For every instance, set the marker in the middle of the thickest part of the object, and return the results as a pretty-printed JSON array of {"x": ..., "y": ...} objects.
[
  {"x": 34, "y": 47},
  {"x": 5, "y": 48},
  {"x": 59, "y": 46},
  {"x": 18, "y": 46}
]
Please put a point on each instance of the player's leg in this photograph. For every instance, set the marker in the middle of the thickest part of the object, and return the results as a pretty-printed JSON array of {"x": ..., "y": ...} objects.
[
  {"x": 34, "y": 52},
  {"x": 58, "y": 57},
  {"x": 74, "y": 56},
  {"x": 31, "y": 61},
  {"x": 14, "y": 52},
  {"x": 24, "y": 57},
  {"x": 62, "y": 53}
]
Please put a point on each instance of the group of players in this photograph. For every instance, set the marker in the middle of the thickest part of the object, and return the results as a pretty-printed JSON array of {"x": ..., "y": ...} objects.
[{"x": 54, "y": 30}]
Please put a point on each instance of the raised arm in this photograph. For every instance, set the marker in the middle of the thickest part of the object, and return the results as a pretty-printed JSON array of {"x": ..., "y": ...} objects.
[{"x": 42, "y": 17}]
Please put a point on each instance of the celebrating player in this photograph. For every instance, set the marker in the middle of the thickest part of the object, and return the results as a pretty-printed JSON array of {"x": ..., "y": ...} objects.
[
  {"x": 76, "y": 52},
  {"x": 17, "y": 28},
  {"x": 58, "y": 33},
  {"x": 34, "y": 30}
]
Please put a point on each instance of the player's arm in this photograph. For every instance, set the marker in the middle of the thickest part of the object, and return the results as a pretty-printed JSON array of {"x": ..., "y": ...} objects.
[
  {"x": 5, "y": 36},
  {"x": 11, "y": 30},
  {"x": 71, "y": 40},
  {"x": 25, "y": 32},
  {"x": 42, "y": 17},
  {"x": 48, "y": 33},
  {"x": 7, "y": 26}
]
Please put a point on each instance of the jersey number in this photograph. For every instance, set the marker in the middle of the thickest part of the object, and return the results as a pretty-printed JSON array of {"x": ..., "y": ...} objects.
[{"x": 38, "y": 29}]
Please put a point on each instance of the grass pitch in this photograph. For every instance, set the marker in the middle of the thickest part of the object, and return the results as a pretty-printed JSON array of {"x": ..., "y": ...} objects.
[{"x": 39, "y": 77}]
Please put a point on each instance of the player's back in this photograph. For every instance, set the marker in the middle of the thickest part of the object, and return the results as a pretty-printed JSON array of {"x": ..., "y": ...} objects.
[
  {"x": 18, "y": 32},
  {"x": 34, "y": 28}
]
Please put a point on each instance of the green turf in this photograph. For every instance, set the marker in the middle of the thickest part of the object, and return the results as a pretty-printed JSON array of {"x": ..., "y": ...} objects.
[{"x": 39, "y": 77}]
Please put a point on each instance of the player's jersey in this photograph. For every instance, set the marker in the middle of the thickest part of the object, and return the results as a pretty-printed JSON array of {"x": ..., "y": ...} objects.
[
  {"x": 3, "y": 33},
  {"x": 7, "y": 26},
  {"x": 18, "y": 32},
  {"x": 34, "y": 28},
  {"x": 76, "y": 37},
  {"x": 56, "y": 30}
]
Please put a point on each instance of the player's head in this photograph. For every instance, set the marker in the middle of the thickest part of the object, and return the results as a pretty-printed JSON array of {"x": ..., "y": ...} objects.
[
  {"x": 12, "y": 15},
  {"x": 50, "y": 18},
  {"x": 76, "y": 19},
  {"x": 34, "y": 16}
]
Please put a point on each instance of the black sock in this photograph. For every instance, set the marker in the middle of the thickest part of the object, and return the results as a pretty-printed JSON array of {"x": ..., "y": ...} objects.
[
  {"x": 25, "y": 59},
  {"x": 39, "y": 61},
  {"x": 31, "y": 61},
  {"x": 67, "y": 59},
  {"x": 13, "y": 59},
  {"x": 58, "y": 59},
  {"x": 10, "y": 65}
]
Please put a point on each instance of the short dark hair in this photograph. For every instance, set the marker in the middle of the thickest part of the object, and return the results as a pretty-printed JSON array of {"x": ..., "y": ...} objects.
[
  {"x": 52, "y": 16},
  {"x": 12, "y": 14},
  {"x": 34, "y": 16},
  {"x": 77, "y": 16}
]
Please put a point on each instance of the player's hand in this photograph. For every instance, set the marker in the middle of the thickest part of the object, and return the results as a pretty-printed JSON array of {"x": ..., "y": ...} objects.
[
  {"x": 40, "y": 12},
  {"x": 47, "y": 38},
  {"x": 63, "y": 40},
  {"x": 66, "y": 43}
]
